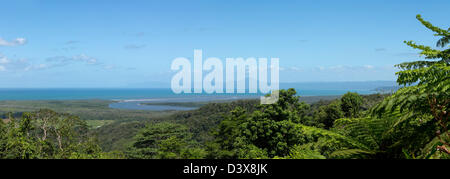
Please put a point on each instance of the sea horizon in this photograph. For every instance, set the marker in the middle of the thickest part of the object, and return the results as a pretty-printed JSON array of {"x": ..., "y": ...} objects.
[
  {"x": 140, "y": 94},
  {"x": 148, "y": 93}
]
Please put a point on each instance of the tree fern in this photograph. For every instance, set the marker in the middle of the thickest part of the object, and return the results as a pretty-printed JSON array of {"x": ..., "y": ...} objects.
[{"x": 425, "y": 88}]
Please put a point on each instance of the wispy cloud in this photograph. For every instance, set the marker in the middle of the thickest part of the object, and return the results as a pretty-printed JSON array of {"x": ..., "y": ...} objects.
[
  {"x": 60, "y": 61},
  {"x": 15, "y": 42},
  {"x": 63, "y": 60},
  {"x": 41, "y": 66},
  {"x": 24, "y": 65},
  {"x": 134, "y": 46},
  {"x": 4, "y": 59},
  {"x": 13, "y": 65},
  {"x": 291, "y": 68}
]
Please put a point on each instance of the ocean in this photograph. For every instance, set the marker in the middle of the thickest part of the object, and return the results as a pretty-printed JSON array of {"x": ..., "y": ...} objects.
[
  {"x": 136, "y": 94},
  {"x": 132, "y": 99},
  {"x": 303, "y": 89}
]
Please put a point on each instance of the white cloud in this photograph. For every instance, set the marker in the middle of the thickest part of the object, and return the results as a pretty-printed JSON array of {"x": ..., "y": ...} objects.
[
  {"x": 295, "y": 68},
  {"x": 85, "y": 58},
  {"x": 14, "y": 65},
  {"x": 15, "y": 42},
  {"x": 17, "y": 65},
  {"x": 4, "y": 60},
  {"x": 60, "y": 61},
  {"x": 291, "y": 68},
  {"x": 36, "y": 67},
  {"x": 63, "y": 60},
  {"x": 339, "y": 67}
]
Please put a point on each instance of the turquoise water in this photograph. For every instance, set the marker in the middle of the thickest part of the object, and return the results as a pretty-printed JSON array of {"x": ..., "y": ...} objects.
[
  {"x": 73, "y": 94},
  {"x": 124, "y": 94},
  {"x": 131, "y": 99}
]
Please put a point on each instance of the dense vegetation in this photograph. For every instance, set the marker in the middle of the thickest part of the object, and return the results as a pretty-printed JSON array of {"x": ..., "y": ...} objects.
[
  {"x": 47, "y": 134},
  {"x": 410, "y": 123}
]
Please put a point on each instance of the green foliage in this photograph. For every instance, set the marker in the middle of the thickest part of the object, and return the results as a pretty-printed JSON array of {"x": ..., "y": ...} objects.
[
  {"x": 201, "y": 121},
  {"x": 118, "y": 135},
  {"x": 366, "y": 130},
  {"x": 327, "y": 114},
  {"x": 249, "y": 151},
  {"x": 352, "y": 153},
  {"x": 369, "y": 132},
  {"x": 278, "y": 130},
  {"x": 18, "y": 143},
  {"x": 164, "y": 141},
  {"x": 412, "y": 123},
  {"x": 273, "y": 127},
  {"x": 424, "y": 99},
  {"x": 327, "y": 142},
  {"x": 227, "y": 135},
  {"x": 351, "y": 104},
  {"x": 303, "y": 152},
  {"x": 46, "y": 134},
  {"x": 3, "y": 137}
]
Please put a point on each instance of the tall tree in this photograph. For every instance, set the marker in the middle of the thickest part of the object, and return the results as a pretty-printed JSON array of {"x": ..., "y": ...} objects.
[
  {"x": 164, "y": 141},
  {"x": 327, "y": 114},
  {"x": 351, "y": 104},
  {"x": 47, "y": 134}
]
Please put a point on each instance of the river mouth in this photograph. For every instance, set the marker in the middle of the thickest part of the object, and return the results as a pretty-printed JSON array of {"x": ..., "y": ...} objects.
[
  {"x": 185, "y": 103},
  {"x": 136, "y": 105}
]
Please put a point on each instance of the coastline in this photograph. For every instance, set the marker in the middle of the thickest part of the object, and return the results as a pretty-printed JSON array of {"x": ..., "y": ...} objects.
[{"x": 152, "y": 99}]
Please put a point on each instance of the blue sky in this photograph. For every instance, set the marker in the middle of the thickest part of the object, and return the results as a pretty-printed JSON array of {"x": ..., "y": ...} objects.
[{"x": 100, "y": 43}]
